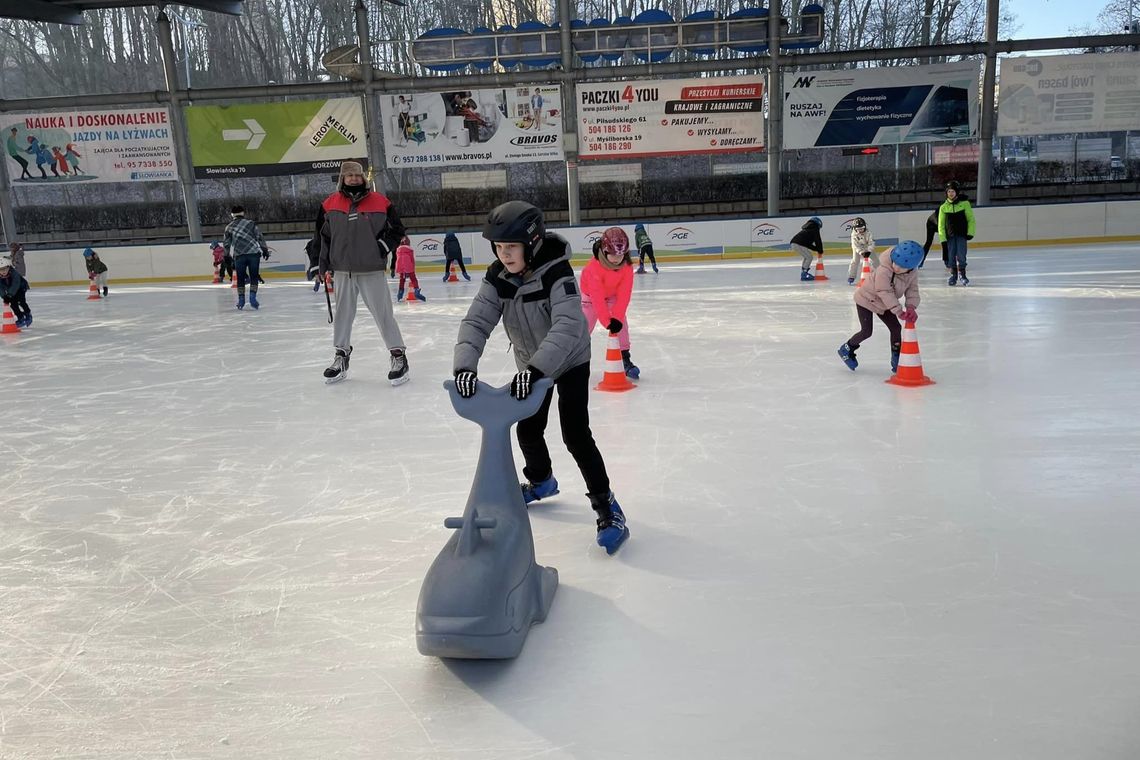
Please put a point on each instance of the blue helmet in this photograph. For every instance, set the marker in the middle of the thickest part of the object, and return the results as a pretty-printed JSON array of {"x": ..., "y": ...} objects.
[
  {"x": 87, "y": 252},
  {"x": 816, "y": 221},
  {"x": 638, "y": 226},
  {"x": 907, "y": 254}
]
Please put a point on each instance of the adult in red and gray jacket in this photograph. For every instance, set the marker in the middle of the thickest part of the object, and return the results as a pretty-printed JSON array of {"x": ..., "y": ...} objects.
[{"x": 359, "y": 230}]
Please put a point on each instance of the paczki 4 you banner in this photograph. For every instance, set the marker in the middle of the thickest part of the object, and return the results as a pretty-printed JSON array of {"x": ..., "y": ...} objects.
[
  {"x": 89, "y": 146},
  {"x": 274, "y": 139}
]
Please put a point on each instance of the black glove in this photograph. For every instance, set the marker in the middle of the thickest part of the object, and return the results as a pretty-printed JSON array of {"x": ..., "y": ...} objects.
[
  {"x": 7, "y": 302},
  {"x": 866, "y": 254},
  {"x": 465, "y": 383},
  {"x": 524, "y": 382},
  {"x": 265, "y": 255},
  {"x": 969, "y": 237},
  {"x": 614, "y": 326},
  {"x": 311, "y": 273}
]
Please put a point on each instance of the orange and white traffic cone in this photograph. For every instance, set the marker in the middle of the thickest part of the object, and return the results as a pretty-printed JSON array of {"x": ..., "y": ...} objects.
[
  {"x": 614, "y": 379},
  {"x": 454, "y": 277},
  {"x": 216, "y": 279},
  {"x": 866, "y": 275},
  {"x": 411, "y": 298},
  {"x": 9, "y": 322},
  {"x": 819, "y": 274},
  {"x": 93, "y": 292},
  {"x": 910, "y": 361}
]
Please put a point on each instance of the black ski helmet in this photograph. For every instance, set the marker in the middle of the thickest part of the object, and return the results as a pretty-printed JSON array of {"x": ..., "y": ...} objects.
[
  {"x": 516, "y": 222},
  {"x": 859, "y": 223},
  {"x": 952, "y": 185}
]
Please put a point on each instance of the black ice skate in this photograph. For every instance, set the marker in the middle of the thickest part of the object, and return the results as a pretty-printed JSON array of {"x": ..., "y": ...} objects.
[
  {"x": 398, "y": 375},
  {"x": 338, "y": 370}
]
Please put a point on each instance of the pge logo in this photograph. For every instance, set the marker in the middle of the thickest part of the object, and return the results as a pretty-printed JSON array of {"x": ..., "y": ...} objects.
[
  {"x": 593, "y": 236},
  {"x": 679, "y": 233},
  {"x": 765, "y": 230},
  {"x": 848, "y": 224},
  {"x": 430, "y": 244}
]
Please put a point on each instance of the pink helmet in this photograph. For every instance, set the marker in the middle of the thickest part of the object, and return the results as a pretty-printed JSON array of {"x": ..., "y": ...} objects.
[{"x": 615, "y": 242}]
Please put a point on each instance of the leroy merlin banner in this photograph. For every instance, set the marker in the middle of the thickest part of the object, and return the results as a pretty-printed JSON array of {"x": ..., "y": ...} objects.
[
  {"x": 269, "y": 139},
  {"x": 881, "y": 106},
  {"x": 89, "y": 146}
]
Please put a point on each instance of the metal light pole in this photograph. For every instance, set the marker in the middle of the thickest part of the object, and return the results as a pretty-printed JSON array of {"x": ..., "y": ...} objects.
[{"x": 186, "y": 25}]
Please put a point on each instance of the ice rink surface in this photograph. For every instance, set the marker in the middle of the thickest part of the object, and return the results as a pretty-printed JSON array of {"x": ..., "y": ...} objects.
[{"x": 205, "y": 552}]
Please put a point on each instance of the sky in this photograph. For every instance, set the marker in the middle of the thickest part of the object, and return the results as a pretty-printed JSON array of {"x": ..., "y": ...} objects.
[{"x": 1051, "y": 18}]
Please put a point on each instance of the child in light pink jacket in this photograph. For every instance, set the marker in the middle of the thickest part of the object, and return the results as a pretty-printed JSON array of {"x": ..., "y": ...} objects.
[
  {"x": 406, "y": 268},
  {"x": 882, "y": 294},
  {"x": 607, "y": 284}
]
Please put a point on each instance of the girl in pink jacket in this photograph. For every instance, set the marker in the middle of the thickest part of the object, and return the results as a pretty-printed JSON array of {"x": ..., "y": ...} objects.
[
  {"x": 607, "y": 283},
  {"x": 882, "y": 294},
  {"x": 406, "y": 268}
]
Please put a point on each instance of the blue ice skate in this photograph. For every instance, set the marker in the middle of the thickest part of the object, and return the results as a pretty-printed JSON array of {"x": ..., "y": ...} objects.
[
  {"x": 805, "y": 275},
  {"x": 847, "y": 354},
  {"x": 253, "y": 300},
  {"x": 612, "y": 531},
  {"x": 241, "y": 301},
  {"x": 538, "y": 491}
]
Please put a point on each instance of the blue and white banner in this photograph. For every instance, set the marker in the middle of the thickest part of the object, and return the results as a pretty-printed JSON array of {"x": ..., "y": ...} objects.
[{"x": 881, "y": 106}]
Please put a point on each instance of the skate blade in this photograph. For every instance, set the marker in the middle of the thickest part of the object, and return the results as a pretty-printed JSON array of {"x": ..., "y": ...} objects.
[
  {"x": 555, "y": 492},
  {"x": 612, "y": 546},
  {"x": 337, "y": 379},
  {"x": 400, "y": 380}
]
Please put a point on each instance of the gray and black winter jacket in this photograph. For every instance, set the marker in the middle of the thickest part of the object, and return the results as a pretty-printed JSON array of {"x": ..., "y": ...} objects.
[
  {"x": 541, "y": 312},
  {"x": 357, "y": 235}
]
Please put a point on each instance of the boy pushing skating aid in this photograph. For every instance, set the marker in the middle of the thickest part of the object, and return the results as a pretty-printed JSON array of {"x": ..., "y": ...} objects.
[{"x": 531, "y": 288}]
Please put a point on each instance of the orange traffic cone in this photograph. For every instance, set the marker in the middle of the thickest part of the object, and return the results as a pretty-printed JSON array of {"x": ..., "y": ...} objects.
[
  {"x": 614, "y": 379},
  {"x": 453, "y": 278},
  {"x": 93, "y": 292},
  {"x": 910, "y": 361},
  {"x": 866, "y": 275},
  {"x": 216, "y": 279},
  {"x": 329, "y": 281},
  {"x": 411, "y": 298},
  {"x": 819, "y": 275},
  {"x": 9, "y": 322}
]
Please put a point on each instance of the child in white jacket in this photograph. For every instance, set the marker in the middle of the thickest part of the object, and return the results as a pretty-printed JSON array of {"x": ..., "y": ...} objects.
[{"x": 862, "y": 246}]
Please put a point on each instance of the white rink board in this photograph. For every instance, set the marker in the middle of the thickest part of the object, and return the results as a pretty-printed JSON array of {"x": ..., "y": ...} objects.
[{"x": 715, "y": 239}]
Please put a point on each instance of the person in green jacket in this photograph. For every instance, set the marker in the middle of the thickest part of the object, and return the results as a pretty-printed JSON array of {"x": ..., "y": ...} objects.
[{"x": 955, "y": 227}]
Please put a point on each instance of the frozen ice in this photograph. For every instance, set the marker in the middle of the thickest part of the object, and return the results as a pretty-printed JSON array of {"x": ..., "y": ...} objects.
[{"x": 207, "y": 552}]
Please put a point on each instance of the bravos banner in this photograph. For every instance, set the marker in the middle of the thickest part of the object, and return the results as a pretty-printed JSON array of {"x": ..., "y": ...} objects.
[
  {"x": 506, "y": 125},
  {"x": 881, "y": 106},
  {"x": 1060, "y": 94},
  {"x": 273, "y": 139},
  {"x": 89, "y": 146}
]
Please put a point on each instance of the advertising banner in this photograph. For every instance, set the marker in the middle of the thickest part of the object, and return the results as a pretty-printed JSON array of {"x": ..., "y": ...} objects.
[
  {"x": 506, "y": 125},
  {"x": 1061, "y": 94},
  {"x": 274, "y": 139},
  {"x": 89, "y": 146},
  {"x": 881, "y": 106},
  {"x": 671, "y": 117}
]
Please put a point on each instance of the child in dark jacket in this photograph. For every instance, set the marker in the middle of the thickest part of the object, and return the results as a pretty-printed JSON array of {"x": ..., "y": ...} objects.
[
  {"x": 532, "y": 290},
  {"x": 14, "y": 289},
  {"x": 807, "y": 241},
  {"x": 96, "y": 269},
  {"x": 453, "y": 253}
]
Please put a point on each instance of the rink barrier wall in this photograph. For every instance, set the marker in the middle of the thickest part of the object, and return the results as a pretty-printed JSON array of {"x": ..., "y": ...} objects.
[{"x": 725, "y": 239}]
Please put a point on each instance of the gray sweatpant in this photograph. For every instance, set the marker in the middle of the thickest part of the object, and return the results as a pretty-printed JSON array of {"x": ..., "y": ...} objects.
[
  {"x": 373, "y": 288},
  {"x": 806, "y": 253}
]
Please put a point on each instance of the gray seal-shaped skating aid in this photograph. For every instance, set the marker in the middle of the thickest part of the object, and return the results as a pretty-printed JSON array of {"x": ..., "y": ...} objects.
[{"x": 484, "y": 590}]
